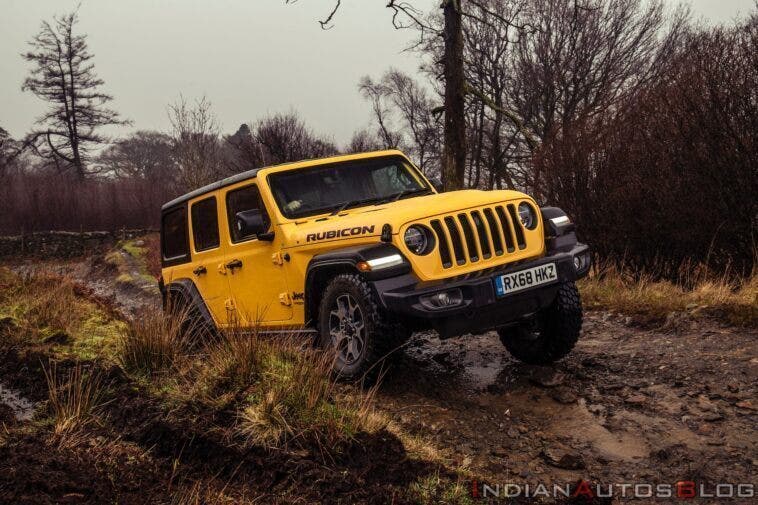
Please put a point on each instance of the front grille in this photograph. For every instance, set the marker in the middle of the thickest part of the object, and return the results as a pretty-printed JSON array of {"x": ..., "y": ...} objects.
[{"x": 478, "y": 235}]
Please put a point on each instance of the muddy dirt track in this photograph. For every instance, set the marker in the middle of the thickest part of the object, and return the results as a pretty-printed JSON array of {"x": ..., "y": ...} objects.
[
  {"x": 629, "y": 405},
  {"x": 632, "y": 404}
]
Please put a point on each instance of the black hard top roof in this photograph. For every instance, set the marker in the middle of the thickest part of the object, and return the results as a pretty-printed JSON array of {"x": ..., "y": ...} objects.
[
  {"x": 243, "y": 176},
  {"x": 250, "y": 174}
]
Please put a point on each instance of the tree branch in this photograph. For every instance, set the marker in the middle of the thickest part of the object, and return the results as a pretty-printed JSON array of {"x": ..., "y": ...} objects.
[{"x": 530, "y": 141}]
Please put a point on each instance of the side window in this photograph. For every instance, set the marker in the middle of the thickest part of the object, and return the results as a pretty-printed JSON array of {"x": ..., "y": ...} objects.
[
  {"x": 240, "y": 200},
  {"x": 205, "y": 224},
  {"x": 174, "y": 235}
]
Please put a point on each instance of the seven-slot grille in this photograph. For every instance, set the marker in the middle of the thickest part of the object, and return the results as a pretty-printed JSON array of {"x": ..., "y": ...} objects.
[{"x": 479, "y": 234}]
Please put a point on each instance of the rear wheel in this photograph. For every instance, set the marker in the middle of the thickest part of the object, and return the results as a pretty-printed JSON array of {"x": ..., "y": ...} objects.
[
  {"x": 191, "y": 324},
  {"x": 354, "y": 326},
  {"x": 551, "y": 333}
]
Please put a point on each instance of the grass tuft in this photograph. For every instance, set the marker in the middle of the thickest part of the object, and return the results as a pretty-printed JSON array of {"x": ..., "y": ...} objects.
[
  {"x": 432, "y": 489},
  {"x": 151, "y": 344},
  {"x": 73, "y": 398}
]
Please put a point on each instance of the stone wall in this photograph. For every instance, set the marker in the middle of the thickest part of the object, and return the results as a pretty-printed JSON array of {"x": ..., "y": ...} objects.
[{"x": 62, "y": 244}]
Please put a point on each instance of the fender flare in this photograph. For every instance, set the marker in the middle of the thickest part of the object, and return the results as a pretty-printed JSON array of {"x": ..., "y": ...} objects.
[
  {"x": 186, "y": 288},
  {"x": 346, "y": 259},
  {"x": 560, "y": 231}
]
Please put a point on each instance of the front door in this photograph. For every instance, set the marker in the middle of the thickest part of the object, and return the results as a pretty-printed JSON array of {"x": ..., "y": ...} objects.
[
  {"x": 208, "y": 255},
  {"x": 255, "y": 276}
]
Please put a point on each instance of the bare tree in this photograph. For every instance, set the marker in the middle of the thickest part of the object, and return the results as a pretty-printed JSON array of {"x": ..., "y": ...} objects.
[
  {"x": 242, "y": 150},
  {"x": 144, "y": 155},
  {"x": 9, "y": 151},
  {"x": 363, "y": 141},
  {"x": 196, "y": 143},
  {"x": 284, "y": 138},
  {"x": 64, "y": 75},
  {"x": 403, "y": 110},
  {"x": 405, "y": 15},
  {"x": 377, "y": 93}
]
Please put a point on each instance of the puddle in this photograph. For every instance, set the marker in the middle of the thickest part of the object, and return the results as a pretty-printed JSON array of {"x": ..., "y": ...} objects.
[
  {"x": 22, "y": 408},
  {"x": 579, "y": 424}
]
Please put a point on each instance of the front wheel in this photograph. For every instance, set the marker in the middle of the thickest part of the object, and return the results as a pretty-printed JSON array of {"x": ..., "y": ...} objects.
[
  {"x": 551, "y": 334},
  {"x": 356, "y": 328}
]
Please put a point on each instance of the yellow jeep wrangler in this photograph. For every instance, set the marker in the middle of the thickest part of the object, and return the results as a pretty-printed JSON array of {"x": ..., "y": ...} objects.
[{"x": 361, "y": 250}]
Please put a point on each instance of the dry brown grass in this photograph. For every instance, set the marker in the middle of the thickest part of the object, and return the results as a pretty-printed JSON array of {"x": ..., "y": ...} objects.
[
  {"x": 151, "y": 344},
  {"x": 42, "y": 303},
  {"x": 73, "y": 398},
  {"x": 699, "y": 294},
  {"x": 279, "y": 389},
  {"x": 296, "y": 400}
]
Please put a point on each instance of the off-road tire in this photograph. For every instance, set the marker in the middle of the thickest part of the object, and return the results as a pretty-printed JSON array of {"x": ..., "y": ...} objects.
[
  {"x": 551, "y": 334},
  {"x": 384, "y": 334},
  {"x": 193, "y": 327}
]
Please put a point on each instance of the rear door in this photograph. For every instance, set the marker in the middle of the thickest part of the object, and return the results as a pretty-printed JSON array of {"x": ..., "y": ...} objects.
[
  {"x": 208, "y": 252},
  {"x": 256, "y": 277}
]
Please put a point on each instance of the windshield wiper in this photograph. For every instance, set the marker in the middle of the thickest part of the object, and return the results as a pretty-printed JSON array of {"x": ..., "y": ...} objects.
[
  {"x": 393, "y": 197},
  {"x": 351, "y": 203},
  {"x": 406, "y": 192}
]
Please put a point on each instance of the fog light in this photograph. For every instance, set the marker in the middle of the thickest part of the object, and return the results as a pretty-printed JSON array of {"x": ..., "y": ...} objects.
[
  {"x": 577, "y": 263},
  {"x": 442, "y": 300}
]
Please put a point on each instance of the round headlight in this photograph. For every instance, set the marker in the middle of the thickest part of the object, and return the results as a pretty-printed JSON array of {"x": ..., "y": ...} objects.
[
  {"x": 527, "y": 216},
  {"x": 418, "y": 240}
]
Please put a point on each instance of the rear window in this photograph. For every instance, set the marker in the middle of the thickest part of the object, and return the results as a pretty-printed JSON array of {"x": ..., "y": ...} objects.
[
  {"x": 174, "y": 235},
  {"x": 205, "y": 224}
]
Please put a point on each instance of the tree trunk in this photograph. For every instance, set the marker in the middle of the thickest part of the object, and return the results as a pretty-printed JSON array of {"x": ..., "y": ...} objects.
[{"x": 454, "y": 156}]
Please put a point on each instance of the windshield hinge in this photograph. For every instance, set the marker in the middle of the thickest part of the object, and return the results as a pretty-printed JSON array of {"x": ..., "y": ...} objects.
[
  {"x": 276, "y": 258},
  {"x": 285, "y": 299}
]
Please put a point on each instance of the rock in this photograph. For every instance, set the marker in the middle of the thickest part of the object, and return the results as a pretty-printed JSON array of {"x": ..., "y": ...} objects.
[
  {"x": 499, "y": 452},
  {"x": 139, "y": 243},
  {"x": 441, "y": 358},
  {"x": 563, "y": 458},
  {"x": 522, "y": 428},
  {"x": 733, "y": 387},
  {"x": 596, "y": 409},
  {"x": 564, "y": 395},
  {"x": 705, "y": 429},
  {"x": 636, "y": 399},
  {"x": 547, "y": 377},
  {"x": 590, "y": 362},
  {"x": 513, "y": 432},
  {"x": 745, "y": 404},
  {"x": 712, "y": 416}
]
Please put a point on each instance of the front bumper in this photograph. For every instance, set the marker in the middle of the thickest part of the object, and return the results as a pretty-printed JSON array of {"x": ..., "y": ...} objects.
[{"x": 481, "y": 309}]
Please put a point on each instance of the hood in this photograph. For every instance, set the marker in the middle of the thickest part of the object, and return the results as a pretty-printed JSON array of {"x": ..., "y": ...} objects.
[{"x": 369, "y": 220}]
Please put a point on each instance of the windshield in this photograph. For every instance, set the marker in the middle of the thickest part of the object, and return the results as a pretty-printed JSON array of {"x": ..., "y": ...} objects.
[{"x": 330, "y": 188}]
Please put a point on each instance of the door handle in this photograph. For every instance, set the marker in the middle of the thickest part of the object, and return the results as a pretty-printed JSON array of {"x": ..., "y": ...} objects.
[
  {"x": 200, "y": 270},
  {"x": 234, "y": 264}
]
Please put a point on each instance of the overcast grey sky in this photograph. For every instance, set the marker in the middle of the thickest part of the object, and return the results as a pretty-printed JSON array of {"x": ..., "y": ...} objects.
[{"x": 249, "y": 57}]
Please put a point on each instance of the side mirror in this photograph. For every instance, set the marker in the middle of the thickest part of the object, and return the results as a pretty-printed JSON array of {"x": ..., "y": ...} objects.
[
  {"x": 253, "y": 222},
  {"x": 437, "y": 183}
]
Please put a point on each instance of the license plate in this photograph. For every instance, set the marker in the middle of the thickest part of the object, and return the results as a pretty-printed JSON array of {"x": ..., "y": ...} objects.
[{"x": 525, "y": 279}]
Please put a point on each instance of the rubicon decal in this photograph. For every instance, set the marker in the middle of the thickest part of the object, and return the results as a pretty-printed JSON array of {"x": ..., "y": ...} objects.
[{"x": 345, "y": 232}]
